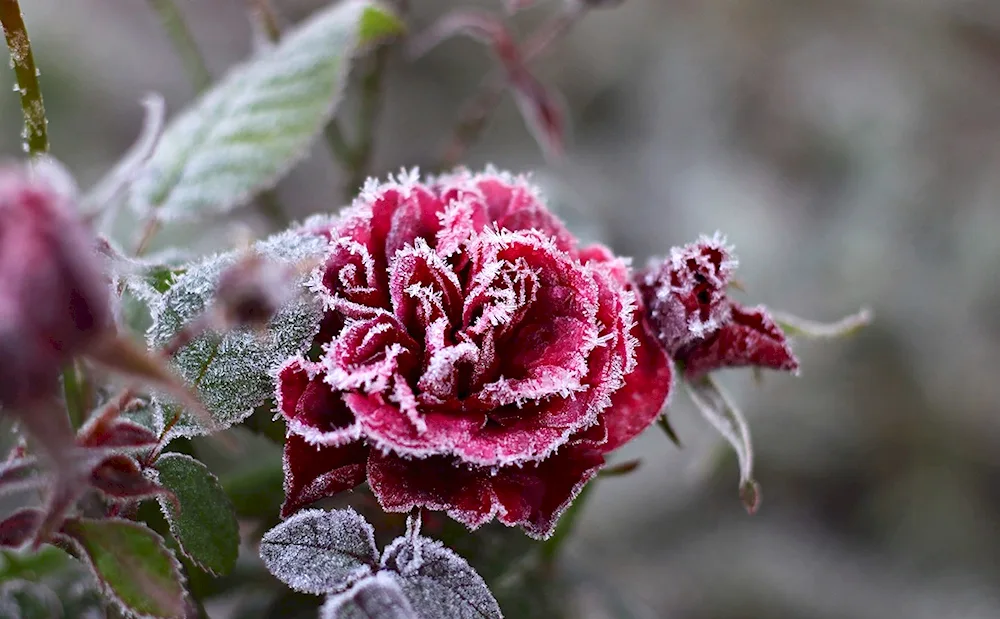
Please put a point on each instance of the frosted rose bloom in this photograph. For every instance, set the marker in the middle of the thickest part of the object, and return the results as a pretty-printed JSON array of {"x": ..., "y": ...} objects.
[
  {"x": 474, "y": 359},
  {"x": 53, "y": 297},
  {"x": 689, "y": 310}
]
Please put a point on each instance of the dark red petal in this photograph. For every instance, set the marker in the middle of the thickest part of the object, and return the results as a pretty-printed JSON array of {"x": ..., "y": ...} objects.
[
  {"x": 636, "y": 405},
  {"x": 532, "y": 497},
  {"x": 685, "y": 295},
  {"x": 313, "y": 473},
  {"x": 435, "y": 483},
  {"x": 310, "y": 406},
  {"x": 17, "y": 529},
  {"x": 121, "y": 433},
  {"x": 750, "y": 338},
  {"x": 120, "y": 477}
]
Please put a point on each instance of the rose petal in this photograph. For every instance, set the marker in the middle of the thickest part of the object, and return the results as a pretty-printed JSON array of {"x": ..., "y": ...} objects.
[
  {"x": 532, "y": 497},
  {"x": 646, "y": 390},
  {"x": 313, "y": 473},
  {"x": 750, "y": 338}
]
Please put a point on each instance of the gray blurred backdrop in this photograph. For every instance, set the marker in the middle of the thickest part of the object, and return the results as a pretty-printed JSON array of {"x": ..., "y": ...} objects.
[{"x": 850, "y": 149}]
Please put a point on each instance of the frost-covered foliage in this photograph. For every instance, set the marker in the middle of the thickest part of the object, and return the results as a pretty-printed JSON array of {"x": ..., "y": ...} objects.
[
  {"x": 247, "y": 131},
  {"x": 233, "y": 371},
  {"x": 334, "y": 553},
  {"x": 475, "y": 359}
]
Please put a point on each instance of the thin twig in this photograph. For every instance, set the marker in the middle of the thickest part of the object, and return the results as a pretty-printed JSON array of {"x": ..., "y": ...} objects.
[
  {"x": 264, "y": 15},
  {"x": 371, "y": 105},
  {"x": 36, "y": 139},
  {"x": 477, "y": 111},
  {"x": 183, "y": 43}
]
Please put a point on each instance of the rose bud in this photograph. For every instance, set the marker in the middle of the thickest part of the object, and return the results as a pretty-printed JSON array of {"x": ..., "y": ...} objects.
[
  {"x": 689, "y": 309},
  {"x": 54, "y": 300},
  {"x": 252, "y": 291}
]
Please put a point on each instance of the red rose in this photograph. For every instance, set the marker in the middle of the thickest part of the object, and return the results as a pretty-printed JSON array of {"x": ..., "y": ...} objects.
[
  {"x": 53, "y": 297},
  {"x": 474, "y": 359},
  {"x": 687, "y": 307}
]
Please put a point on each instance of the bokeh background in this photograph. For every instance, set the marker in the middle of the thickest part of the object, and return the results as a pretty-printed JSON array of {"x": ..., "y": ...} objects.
[{"x": 850, "y": 149}]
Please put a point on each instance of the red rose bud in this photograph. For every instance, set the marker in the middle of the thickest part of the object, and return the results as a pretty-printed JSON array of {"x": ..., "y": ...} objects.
[
  {"x": 251, "y": 291},
  {"x": 484, "y": 363},
  {"x": 54, "y": 300},
  {"x": 688, "y": 307}
]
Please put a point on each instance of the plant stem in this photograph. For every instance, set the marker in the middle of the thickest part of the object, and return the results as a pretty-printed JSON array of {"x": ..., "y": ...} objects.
[
  {"x": 371, "y": 105},
  {"x": 183, "y": 43},
  {"x": 476, "y": 113},
  {"x": 263, "y": 13},
  {"x": 36, "y": 139},
  {"x": 74, "y": 395}
]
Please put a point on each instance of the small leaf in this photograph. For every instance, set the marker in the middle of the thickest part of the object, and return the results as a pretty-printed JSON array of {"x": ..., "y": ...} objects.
[
  {"x": 206, "y": 526},
  {"x": 132, "y": 565},
  {"x": 717, "y": 407},
  {"x": 245, "y": 133},
  {"x": 319, "y": 552},
  {"x": 438, "y": 583},
  {"x": 618, "y": 470},
  {"x": 378, "y": 596},
  {"x": 794, "y": 326},
  {"x": 232, "y": 372}
]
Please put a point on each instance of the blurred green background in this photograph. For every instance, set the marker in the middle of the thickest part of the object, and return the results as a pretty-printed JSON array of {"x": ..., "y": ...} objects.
[{"x": 850, "y": 149}]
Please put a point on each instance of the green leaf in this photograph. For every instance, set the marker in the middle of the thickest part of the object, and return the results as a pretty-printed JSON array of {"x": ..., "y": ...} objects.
[
  {"x": 206, "y": 527},
  {"x": 132, "y": 565},
  {"x": 245, "y": 133},
  {"x": 232, "y": 372}
]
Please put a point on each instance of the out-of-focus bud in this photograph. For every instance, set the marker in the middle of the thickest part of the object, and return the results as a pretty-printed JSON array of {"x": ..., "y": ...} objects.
[
  {"x": 252, "y": 291},
  {"x": 54, "y": 299}
]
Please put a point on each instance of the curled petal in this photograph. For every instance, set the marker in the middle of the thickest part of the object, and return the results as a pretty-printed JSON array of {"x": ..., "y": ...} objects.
[
  {"x": 647, "y": 389},
  {"x": 532, "y": 497},
  {"x": 311, "y": 408},
  {"x": 315, "y": 472},
  {"x": 750, "y": 338}
]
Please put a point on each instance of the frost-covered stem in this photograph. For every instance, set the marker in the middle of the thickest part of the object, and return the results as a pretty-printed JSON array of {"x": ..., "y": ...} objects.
[
  {"x": 36, "y": 139},
  {"x": 264, "y": 15},
  {"x": 371, "y": 105},
  {"x": 149, "y": 230},
  {"x": 337, "y": 143},
  {"x": 477, "y": 111},
  {"x": 74, "y": 394},
  {"x": 183, "y": 43}
]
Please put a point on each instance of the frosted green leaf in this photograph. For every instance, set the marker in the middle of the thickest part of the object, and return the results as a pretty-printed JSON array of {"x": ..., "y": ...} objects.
[
  {"x": 132, "y": 565},
  {"x": 232, "y": 372},
  {"x": 246, "y": 132},
  {"x": 206, "y": 527}
]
